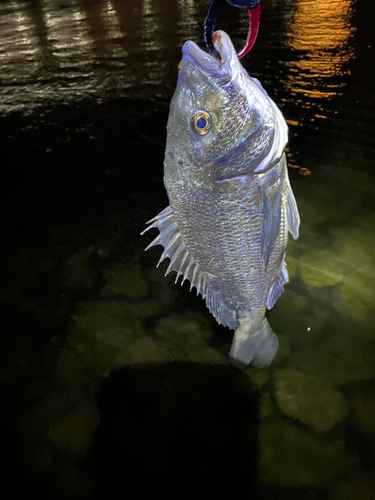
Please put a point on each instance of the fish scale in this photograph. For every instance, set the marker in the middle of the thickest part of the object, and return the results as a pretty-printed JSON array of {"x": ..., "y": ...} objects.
[{"x": 231, "y": 204}]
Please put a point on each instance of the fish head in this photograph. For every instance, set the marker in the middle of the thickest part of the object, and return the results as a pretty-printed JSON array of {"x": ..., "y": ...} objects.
[{"x": 221, "y": 122}]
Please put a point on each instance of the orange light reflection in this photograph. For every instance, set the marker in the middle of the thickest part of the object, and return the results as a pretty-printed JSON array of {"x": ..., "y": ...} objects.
[{"x": 320, "y": 30}]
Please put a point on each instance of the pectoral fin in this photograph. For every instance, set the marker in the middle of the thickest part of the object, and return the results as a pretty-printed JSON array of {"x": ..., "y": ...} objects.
[{"x": 292, "y": 215}]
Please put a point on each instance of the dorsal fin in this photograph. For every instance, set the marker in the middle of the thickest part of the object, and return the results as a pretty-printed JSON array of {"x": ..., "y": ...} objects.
[
  {"x": 181, "y": 261},
  {"x": 174, "y": 248}
]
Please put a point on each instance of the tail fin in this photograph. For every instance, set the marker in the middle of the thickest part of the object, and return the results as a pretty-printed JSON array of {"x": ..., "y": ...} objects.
[{"x": 254, "y": 343}]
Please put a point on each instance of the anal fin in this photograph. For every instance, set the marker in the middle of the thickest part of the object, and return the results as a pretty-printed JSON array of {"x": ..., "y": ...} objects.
[
  {"x": 221, "y": 312},
  {"x": 277, "y": 288}
]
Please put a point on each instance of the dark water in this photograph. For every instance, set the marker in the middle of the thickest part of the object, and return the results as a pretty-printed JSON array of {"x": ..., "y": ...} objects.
[{"x": 84, "y": 94}]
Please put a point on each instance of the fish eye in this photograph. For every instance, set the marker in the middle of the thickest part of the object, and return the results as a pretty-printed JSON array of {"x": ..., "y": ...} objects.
[{"x": 202, "y": 122}]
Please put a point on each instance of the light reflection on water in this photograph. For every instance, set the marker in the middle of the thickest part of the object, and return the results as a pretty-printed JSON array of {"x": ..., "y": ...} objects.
[
  {"x": 19, "y": 48},
  {"x": 73, "y": 40},
  {"x": 320, "y": 31},
  {"x": 90, "y": 48},
  {"x": 79, "y": 47}
]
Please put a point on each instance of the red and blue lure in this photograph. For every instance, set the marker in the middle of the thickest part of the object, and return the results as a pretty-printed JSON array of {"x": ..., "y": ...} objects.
[{"x": 214, "y": 9}]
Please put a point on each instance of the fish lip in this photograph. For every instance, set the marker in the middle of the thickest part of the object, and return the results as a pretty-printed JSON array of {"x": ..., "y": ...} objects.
[{"x": 207, "y": 63}]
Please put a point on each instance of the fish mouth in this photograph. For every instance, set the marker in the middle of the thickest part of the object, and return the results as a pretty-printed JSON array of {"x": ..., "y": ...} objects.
[{"x": 209, "y": 64}]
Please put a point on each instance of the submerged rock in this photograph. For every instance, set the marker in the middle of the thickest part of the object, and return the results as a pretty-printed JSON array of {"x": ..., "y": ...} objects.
[
  {"x": 125, "y": 280},
  {"x": 338, "y": 360},
  {"x": 72, "y": 433},
  {"x": 257, "y": 376},
  {"x": 109, "y": 244},
  {"x": 147, "y": 309},
  {"x": 291, "y": 264},
  {"x": 208, "y": 355},
  {"x": 78, "y": 272},
  {"x": 165, "y": 295},
  {"x": 266, "y": 407},
  {"x": 101, "y": 331},
  {"x": 144, "y": 350},
  {"x": 359, "y": 487},
  {"x": 304, "y": 329},
  {"x": 157, "y": 274},
  {"x": 320, "y": 268},
  {"x": 292, "y": 458},
  {"x": 35, "y": 423},
  {"x": 357, "y": 292},
  {"x": 315, "y": 320},
  {"x": 309, "y": 400},
  {"x": 163, "y": 288},
  {"x": 289, "y": 304},
  {"x": 326, "y": 208},
  {"x": 283, "y": 352},
  {"x": 73, "y": 371},
  {"x": 288, "y": 316},
  {"x": 356, "y": 244},
  {"x": 364, "y": 412},
  {"x": 183, "y": 335}
]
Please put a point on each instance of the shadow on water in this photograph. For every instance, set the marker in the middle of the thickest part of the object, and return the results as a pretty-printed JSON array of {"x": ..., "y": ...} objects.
[
  {"x": 96, "y": 342},
  {"x": 161, "y": 429}
]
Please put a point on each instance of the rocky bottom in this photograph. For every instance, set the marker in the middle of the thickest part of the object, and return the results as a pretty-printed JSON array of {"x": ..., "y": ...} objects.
[{"x": 315, "y": 403}]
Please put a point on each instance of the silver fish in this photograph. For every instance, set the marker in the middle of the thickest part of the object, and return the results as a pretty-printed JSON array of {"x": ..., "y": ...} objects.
[{"x": 231, "y": 204}]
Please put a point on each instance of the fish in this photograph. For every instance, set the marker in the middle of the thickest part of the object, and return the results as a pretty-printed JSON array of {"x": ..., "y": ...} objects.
[{"x": 231, "y": 205}]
